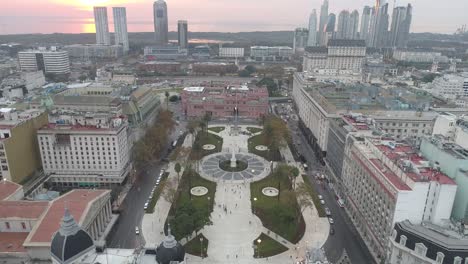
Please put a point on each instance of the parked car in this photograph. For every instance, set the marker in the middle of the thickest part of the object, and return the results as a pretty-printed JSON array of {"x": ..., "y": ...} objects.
[
  {"x": 146, "y": 205},
  {"x": 327, "y": 211},
  {"x": 330, "y": 220},
  {"x": 320, "y": 197},
  {"x": 137, "y": 230},
  {"x": 322, "y": 202}
]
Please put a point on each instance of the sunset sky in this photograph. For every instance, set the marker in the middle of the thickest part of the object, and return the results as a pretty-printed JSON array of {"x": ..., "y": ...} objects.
[{"x": 75, "y": 16}]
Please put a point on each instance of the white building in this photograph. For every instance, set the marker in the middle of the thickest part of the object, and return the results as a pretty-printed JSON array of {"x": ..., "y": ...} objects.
[
  {"x": 450, "y": 86},
  {"x": 102, "y": 25},
  {"x": 120, "y": 27},
  {"x": 405, "y": 124},
  {"x": 312, "y": 40},
  {"x": 263, "y": 53},
  {"x": 88, "y": 150},
  {"x": 89, "y": 51},
  {"x": 339, "y": 55},
  {"x": 419, "y": 56},
  {"x": 388, "y": 182},
  {"x": 453, "y": 127},
  {"x": 48, "y": 61},
  {"x": 231, "y": 52}
]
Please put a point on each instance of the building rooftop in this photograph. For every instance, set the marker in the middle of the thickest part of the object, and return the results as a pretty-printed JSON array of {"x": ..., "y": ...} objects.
[
  {"x": 77, "y": 202},
  {"x": 22, "y": 209},
  {"x": 194, "y": 89},
  {"x": 12, "y": 242},
  {"x": 346, "y": 43},
  {"x": 7, "y": 188}
]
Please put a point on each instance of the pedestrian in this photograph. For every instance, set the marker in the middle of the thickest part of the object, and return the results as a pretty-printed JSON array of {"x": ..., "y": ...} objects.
[{"x": 236, "y": 255}]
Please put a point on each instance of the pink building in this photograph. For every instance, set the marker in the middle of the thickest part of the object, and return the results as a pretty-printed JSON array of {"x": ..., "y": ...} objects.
[{"x": 219, "y": 102}]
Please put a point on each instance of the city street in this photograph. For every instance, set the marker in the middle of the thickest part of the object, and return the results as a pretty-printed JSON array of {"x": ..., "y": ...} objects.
[
  {"x": 123, "y": 235},
  {"x": 346, "y": 236}
]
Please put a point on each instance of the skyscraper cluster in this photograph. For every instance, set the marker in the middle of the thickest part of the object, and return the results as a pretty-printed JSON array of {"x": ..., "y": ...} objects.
[
  {"x": 374, "y": 27},
  {"x": 161, "y": 26},
  {"x": 120, "y": 26}
]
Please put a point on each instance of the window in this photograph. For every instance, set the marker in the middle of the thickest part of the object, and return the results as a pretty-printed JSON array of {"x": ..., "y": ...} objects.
[
  {"x": 403, "y": 240},
  {"x": 23, "y": 225},
  {"x": 7, "y": 225},
  {"x": 440, "y": 257},
  {"x": 420, "y": 249}
]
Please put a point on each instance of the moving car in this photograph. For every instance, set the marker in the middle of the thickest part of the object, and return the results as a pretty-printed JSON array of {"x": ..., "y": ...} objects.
[
  {"x": 330, "y": 220},
  {"x": 327, "y": 211},
  {"x": 146, "y": 206},
  {"x": 322, "y": 202},
  {"x": 320, "y": 197},
  {"x": 137, "y": 230}
]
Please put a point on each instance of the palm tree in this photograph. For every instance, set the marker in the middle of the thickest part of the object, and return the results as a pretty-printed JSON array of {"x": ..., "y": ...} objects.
[{"x": 167, "y": 99}]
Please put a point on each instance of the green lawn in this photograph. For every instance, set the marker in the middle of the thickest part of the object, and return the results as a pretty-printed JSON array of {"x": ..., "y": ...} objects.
[
  {"x": 194, "y": 246},
  {"x": 314, "y": 196},
  {"x": 157, "y": 194},
  {"x": 216, "y": 129},
  {"x": 254, "y": 130},
  {"x": 260, "y": 140},
  {"x": 187, "y": 208},
  {"x": 267, "y": 247},
  {"x": 204, "y": 138},
  {"x": 280, "y": 216}
]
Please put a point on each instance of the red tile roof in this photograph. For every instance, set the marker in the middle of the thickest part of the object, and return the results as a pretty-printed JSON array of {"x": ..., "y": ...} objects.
[
  {"x": 77, "y": 201},
  {"x": 22, "y": 209},
  {"x": 12, "y": 242},
  {"x": 392, "y": 177},
  {"x": 8, "y": 188}
]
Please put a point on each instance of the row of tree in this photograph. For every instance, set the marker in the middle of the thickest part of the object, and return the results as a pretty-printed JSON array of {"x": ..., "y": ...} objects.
[
  {"x": 151, "y": 146},
  {"x": 275, "y": 134}
]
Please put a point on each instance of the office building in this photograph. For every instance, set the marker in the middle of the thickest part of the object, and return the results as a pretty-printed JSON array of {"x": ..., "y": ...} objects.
[
  {"x": 182, "y": 34},
  {"x": 329, "y": 32},
  {"x": 449, "y": 86},
  {"x": 401, "y": 24},
  {"x": 220, "y": 102},
  {"x": 165, "y": 53},
  {"x": 405, "y": 124},
  {"x": 49, "y": 61},
  {"x": 301, "y": 36},
  {"x": 343, "y": 24},
  {"x": 84, "y": 149},
  {"x": 120, "y": 28},
  {"x": 95, "y": 51},
  {"x": 201, "y": 52},
  {"x": 19, "y": 153},
  {"x": 427, "y": 243},
  {"x": 312, "y": 40},
  {"x": 386, "y": 182},
  {"x": 378, "y": 32},
  {"x": 452, "y": 159},
  {"x": 263, "y": 53},
  {"x": 339, "y": 54},
  {"x": 160, "y": 22},
  {"x": 353, "y": 26},
  {"x": 102, "y": 25},
  {"x": 231, "y": 52},
  {"x": 365, "y": 23},
  {"x": 323, "y": 21}
]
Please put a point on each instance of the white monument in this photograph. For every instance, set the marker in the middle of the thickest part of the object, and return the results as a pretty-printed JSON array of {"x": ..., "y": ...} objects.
[{"x": 233, "y": 160}]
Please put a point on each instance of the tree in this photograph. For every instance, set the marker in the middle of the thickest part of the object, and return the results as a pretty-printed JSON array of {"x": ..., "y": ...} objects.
[
  {"x": 276, "y": 133},
  {"x": 82, "y": 78},
  {"x": 177, "y": 168},
  {"x": 167, "y": 99},
  {"x": 192, "y": 127},
  {"x": 206, "y": 119},
  {"x": 293, "y": 174},
  {"x": 250, "y": 69},
  {"x": 244, "y": 74},
  {"x": 170, "y": 192}
]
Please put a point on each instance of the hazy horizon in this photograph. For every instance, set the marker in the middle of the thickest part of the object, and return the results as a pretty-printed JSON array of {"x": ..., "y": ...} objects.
[{"x": 76, "y": 16}]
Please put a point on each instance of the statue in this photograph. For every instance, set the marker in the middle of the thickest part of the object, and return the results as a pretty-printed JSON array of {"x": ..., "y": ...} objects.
[{"x": 233, "y": 160}]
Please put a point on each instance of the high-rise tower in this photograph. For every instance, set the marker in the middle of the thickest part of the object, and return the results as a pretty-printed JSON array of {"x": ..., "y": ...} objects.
[
  {"x": 102, "y": 25},
  {"x": 323, "y": 21},
  {"x": 160, "y": 22},
  {"x": 343, "y": 21},
  {"x": 301, "y": 36},
  {"x": 182, "y": 34},
  {"x": 401, "y": 23},
  {"x": 312, "y": 40},
  {"x": 352, "y": 32},
  {"x": 120, "y": 27},
  {"x": 365, "y": 22}
]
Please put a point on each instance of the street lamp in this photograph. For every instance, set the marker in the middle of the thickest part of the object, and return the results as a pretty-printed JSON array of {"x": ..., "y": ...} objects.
[
  {"x": 254, "y": 205},
  {"x": 258, "y": 247},
  {"x": 201, "y": 247}
]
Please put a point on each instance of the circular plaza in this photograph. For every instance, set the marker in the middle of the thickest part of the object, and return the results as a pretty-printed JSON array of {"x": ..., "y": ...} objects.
[{"x": 213, "y": 167}]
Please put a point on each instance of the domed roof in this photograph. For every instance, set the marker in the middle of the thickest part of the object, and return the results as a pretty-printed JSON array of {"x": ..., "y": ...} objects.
[
  {"x": 170, "y": 250},
  {"x": 70, "y": 241}
]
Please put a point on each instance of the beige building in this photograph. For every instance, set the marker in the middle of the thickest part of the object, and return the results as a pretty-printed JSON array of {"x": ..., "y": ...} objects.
[{"x": 19, "y": 154}]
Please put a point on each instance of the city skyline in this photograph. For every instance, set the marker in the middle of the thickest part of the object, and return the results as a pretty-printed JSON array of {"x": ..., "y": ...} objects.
[{"x": 77, "y": 17}]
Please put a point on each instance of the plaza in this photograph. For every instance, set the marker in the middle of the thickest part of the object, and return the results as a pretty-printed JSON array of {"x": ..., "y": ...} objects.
[{"x": 234, "y": 225}]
